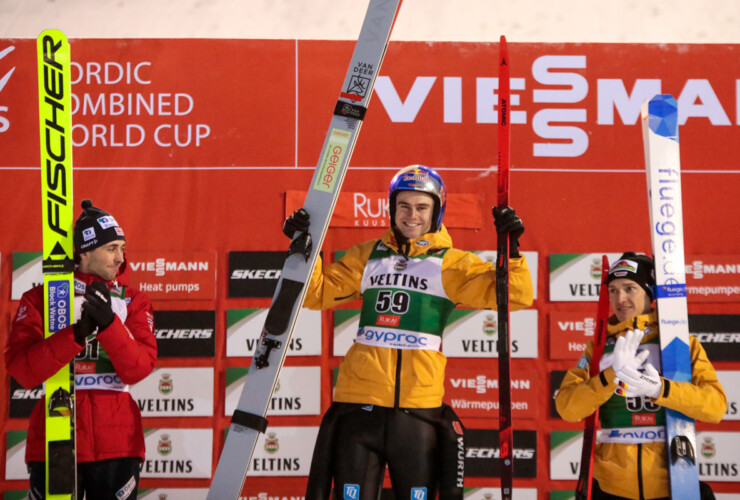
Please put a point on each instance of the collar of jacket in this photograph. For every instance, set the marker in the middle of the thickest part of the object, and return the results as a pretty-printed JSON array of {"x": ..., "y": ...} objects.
[
  {"x": 423, "y": 244},
  {"x": 121, "y": 279},
  {"x": 640, "y": 322}
]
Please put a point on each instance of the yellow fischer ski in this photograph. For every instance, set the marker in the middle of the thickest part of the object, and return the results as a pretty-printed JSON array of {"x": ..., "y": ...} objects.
[{"x": 55, "y": 129}]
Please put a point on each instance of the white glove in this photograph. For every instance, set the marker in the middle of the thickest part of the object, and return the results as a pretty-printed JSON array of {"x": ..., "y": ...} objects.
[
  {"x": 633, "y": 382},
  {"x": 625, "y": 351}
]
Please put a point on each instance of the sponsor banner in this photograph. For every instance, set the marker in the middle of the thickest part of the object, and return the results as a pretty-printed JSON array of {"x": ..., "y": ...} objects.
[
  {"x": 717, "y": 456},
  {"x": 473, "y": 334},
  {"x": 495, "y": 493},
  {"x": 254, "y": 274},
  {"x": 730, "y": 381},
  {"x": 59, "y": 298},
  {"x": 178, "y": 453},
  {"x": 274, "y": 490},
  {"x": 565, "y": 454},
  {"x": 532, "y": 261},
  {"x": 556, "y": 379},
  {"x": 474, "y": 393},
  {"x": 576, "y": 277},
  {"x": 22, "y": 401},
  {"x": 713, "y": 278},
  {"x": 161, "y": 275},
  {"x": 482, "y": 453},
  {"x": 173, "y": 494},
  {"x": 26, "y": 273},
  {"x": 297, "y": 392},
  {"x": 16, "y": 495},
  {"x": 176, "y": 392},
  {"x": 718, "y": 333},
  {"x": 244, "y": 327},
  {"x": 15, "y": 455},
  {"x": 128, "y": 97},
  {"x": 570, "y": 331},
  {"x": 370, "y": 209},
  {"x": 709, "y": 278},
  {"x": 109, "y": 381},
  {"x": 346, "y": 324},
  {"x": 174, "y": 275},
  {"x": 185, "y": 334},
  {"x": 283, "y": 451},
  {"x": 649, "y": 433},
  {"x": 562, "y": 495}
]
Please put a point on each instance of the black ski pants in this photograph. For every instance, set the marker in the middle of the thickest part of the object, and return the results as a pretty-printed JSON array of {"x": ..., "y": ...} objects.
[
  {"x": 114, "y": 479},
  {"x": 369, "y": 439},
  {"x": 422, "y": 448}
]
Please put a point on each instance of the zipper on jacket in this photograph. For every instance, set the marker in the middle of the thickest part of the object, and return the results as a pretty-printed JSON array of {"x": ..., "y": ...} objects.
[
  {"x": 405, "y": 249},
  {"x": 397, "y": 395}
]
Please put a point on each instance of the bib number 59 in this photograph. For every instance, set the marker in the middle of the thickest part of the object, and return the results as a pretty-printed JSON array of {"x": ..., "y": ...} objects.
[{"x": 395, "y": 302}]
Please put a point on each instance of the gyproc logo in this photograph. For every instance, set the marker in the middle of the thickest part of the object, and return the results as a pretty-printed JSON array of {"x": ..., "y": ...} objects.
[{"x": 4, "y": 122}]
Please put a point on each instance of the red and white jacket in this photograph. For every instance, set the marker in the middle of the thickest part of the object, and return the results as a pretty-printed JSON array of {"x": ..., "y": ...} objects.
[{"x": 108, "y": 421}]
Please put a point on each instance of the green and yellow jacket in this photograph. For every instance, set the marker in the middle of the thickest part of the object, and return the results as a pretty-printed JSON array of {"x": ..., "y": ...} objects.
[
  {"x": 407, "y": 294},
  {"x": 630, "y": 458}
]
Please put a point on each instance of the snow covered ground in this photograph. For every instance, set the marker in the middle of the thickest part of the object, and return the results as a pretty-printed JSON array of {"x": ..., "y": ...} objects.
[{"x": 621, "y": 21}]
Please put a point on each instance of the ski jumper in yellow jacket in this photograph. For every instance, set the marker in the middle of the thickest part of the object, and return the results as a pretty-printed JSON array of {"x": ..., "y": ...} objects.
[
  {"x": 407, "y": 295},
  {"x": 630, "y": 458}
]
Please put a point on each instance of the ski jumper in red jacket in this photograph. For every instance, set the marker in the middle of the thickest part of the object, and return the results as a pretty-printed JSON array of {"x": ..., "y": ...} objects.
[{"x": 112, "y": 344}]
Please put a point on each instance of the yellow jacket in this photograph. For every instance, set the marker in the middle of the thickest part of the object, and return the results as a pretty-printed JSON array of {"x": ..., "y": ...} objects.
[
  {"x": 616, "y": 464},
  {"x": 368, "y": 374}
]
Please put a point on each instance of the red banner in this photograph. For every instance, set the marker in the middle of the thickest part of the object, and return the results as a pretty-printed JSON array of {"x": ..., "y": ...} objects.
[
  {"x": 141, "y": 103},
  {"x": 474, "y": 393},
  {"x": 174, "y": 275},
  {"x": 209, "y": 144},
  {"x": 370, "y": 209},
  {"x": 569, "y": 333}
]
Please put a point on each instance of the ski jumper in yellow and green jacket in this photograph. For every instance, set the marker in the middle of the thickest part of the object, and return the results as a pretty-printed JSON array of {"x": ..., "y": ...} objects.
[
  {"x": 407, "y": 296},
  {"x": 630, "y": 458}
]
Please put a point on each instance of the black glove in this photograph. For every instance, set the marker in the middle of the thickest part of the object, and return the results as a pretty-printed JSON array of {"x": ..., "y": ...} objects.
[
  {"x": 84, "y": 328},
  {"x": 507, "y": 221},
  {"x": 98, "y": 304},
  {"x": 298, "y": 221}
]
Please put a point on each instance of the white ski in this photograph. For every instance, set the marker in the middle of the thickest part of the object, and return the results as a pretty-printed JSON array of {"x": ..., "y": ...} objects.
[
  {"x": 249, "y": 417},
  {"x": 660, "y": 136}
]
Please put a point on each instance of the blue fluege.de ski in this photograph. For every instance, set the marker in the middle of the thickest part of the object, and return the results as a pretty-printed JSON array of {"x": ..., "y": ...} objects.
[{"x": 660, "y": 134}]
